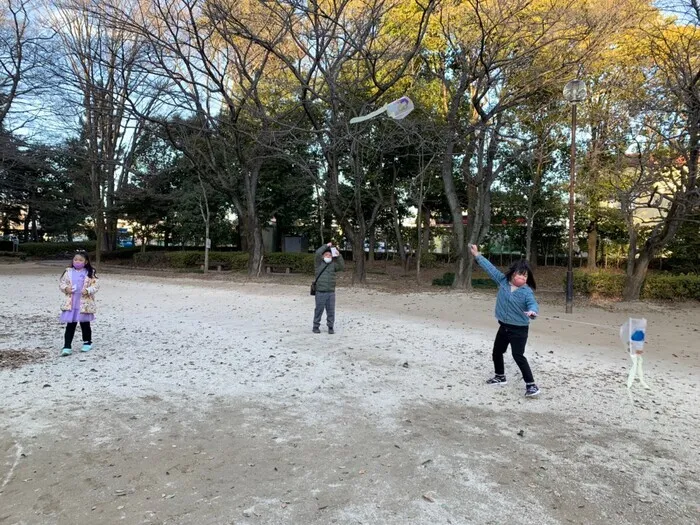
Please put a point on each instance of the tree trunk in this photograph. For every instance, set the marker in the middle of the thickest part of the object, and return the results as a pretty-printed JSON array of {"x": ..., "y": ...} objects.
[
  {"x": 460, "y": 247},
  {"x": 254, "y": 241},
  {"x": 99, "y": 236},
  {"x": 206, "y": 243},
  {"x": 592, "y": 245},
  {"x": 397, "y": 231},
  {"x": 528, "y": 242},
  {"x": 111, "y": 234},
  {"x": 370, "y": 252},
  {"x": 426, "y": 231},
  {"x": 27, "y": 221},
  {"x": 242, "y": 235},
  {"x": 635, "y": 280},
  {"x": 631, "y": 252},
  {"x": 359, "y": 274}
]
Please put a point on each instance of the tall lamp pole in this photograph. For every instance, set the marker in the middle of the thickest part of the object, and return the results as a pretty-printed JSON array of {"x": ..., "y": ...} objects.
[{"x": 574, "y": 92}]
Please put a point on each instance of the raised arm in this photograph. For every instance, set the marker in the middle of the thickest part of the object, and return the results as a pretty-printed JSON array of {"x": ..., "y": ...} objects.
[
  {"x": 318, "y": 256},
  {"x": 339, "y": 263},
  {"x": 495, "y": 274}
]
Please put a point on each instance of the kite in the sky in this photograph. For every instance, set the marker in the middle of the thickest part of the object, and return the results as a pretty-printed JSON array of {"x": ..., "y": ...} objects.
[
  {"x": 397, "y": 110},
  {"x": 633, "y": 335}
]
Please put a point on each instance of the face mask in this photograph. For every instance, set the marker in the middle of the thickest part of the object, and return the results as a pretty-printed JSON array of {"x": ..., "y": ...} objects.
[
  {"x": 519, "y": 280},
  {"x": 78, "y": 265},
  {"x": 327, "y": 259}
]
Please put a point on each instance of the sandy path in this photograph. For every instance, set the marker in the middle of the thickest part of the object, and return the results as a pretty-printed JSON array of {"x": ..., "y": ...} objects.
[{"x": 212, "y": 403}]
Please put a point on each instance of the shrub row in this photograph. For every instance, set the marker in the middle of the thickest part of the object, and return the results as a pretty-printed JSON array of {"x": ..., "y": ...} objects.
[
  {"x": 19, "y": 255},
  {"x": 238, "y": 261},
  {"x": 656, "y": 286},
  {"x": 180, "y": 259},
  {"x": 428, "y": 260},
  {"x": 448, "y": 279},
  {"x": 55, "y": 249},
  {"x": 126, "y": 254},
  {"x": 298, "y": 262}
]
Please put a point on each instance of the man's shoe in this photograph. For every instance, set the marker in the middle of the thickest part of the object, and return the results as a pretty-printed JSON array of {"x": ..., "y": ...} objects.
[
  {"x": 331, "y": 331},
  {"x": 316, "y": 330}
]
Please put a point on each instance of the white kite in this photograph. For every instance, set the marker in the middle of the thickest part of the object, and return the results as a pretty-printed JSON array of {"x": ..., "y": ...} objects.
[
  {"x": 633, "y": 334},
  {"x": 397, "y": 110}
]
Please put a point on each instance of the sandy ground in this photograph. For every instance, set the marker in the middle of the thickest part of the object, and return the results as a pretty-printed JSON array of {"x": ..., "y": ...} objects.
[{"x": 213, "y": 403}]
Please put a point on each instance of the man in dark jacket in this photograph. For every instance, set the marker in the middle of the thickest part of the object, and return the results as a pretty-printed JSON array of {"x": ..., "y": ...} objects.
[{"x": 327, "y": 261}]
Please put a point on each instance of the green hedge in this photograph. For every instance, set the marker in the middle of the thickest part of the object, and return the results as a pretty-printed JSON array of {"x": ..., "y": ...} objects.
[
  {"x": 656, "y": 286},
  {"x": 428, "y": 260},
  {"x": 666, "y": 286},
  {"x": 20, "y": 255},
  {"x": 180, "y": 259},
  {"x": 238, "y": 261},
  {"x": 601, "y": 284},
  {"x": 123, "y": 254},
  {"x": 151, "y": 259},
  {"x": 298, "y": 262},
  {"x": 55, "y": 249},
  {"x": 448, "y": 279}
]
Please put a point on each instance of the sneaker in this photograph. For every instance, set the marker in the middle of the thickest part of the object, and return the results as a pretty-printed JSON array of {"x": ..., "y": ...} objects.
[
  {"x": 316, "y": 330},
  {"x": 86, "y": 347},
  {"x": 66, "y": 351},
  {"x": 532, "y": 390},
  {"x": 497, "y": 380},
  {"x": 331, "y": 331}
]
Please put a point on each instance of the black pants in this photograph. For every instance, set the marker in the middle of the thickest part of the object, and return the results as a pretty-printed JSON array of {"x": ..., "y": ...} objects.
[
  {"x": 516, "y": 337},
  {"x": 70, "y": 333}
]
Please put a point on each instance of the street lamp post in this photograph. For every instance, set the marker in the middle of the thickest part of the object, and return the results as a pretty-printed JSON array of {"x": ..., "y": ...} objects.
[{"x": 574, "y": 92}]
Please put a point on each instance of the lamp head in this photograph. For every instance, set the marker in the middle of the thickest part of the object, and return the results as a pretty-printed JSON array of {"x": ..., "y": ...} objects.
[{"x": 575, "y": 91}]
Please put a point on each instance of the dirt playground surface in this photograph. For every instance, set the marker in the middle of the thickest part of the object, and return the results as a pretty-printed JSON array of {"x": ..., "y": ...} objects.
[{"x": 211, "y": 402}]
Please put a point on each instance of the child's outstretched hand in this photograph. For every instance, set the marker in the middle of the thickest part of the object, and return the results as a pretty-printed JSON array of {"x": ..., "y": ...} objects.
[
  {"x": 531, "y": 314},
  {"x": 474, "y": 249}
]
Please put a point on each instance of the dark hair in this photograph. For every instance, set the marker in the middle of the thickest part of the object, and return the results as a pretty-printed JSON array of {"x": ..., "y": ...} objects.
[
  {"x": 519, "y": 268},
  {"x": 90, "y": 270}
]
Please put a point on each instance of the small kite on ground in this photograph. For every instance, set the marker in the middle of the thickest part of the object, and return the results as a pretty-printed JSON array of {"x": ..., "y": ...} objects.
[{"x": 633, "y": 334}]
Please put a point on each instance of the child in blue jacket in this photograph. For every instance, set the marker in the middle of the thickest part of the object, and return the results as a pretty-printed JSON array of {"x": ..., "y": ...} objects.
[{"x": 515, "y": 307}]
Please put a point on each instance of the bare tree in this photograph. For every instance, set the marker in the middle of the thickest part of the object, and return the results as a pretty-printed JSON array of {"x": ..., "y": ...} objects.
[
  {"x": 226, "y": 89},
  {"x": 343, "y": 63},
  {"x": 22, "y": 63},
  {"x": 100, "y": 75}
]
